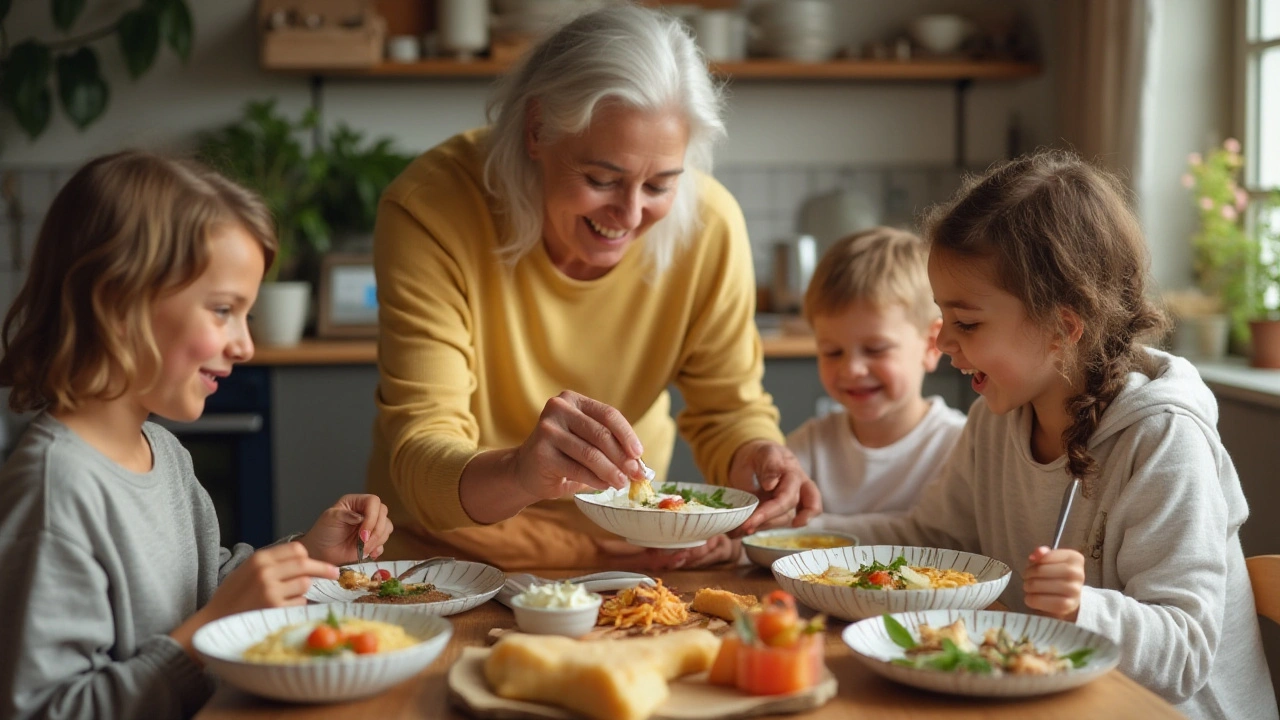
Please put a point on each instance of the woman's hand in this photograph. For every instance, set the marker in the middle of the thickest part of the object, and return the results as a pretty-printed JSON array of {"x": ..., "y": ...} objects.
[
  {"x": 622, "y": 555},
  {"x": 578, "y": 442},
  {"x": 1053, "y": 582},
  {"x": 333, "y": 537},
  {"x": 773, "y": 473}
]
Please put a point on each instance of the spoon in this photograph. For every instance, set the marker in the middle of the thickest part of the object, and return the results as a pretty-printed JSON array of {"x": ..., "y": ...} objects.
[
  {"x": 1065, "y": 511},
  {"x": 424, "y": 564}
]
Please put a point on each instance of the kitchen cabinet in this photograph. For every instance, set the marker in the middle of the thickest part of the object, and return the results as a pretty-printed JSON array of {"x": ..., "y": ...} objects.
[{"x": 323, "y": 421}]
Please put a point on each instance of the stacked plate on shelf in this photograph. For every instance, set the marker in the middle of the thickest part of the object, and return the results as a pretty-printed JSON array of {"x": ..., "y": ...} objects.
[{"x": 794, "y": 30}]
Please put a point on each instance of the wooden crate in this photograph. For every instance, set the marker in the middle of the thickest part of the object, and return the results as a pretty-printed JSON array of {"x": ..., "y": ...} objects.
[{"x": 329, "y": 46}]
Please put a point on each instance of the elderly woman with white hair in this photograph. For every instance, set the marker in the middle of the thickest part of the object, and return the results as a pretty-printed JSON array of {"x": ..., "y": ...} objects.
[{"x": 576, "y": 249}]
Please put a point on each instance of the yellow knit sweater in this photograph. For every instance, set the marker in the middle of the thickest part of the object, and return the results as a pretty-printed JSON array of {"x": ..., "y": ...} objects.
[{"x": 470, "y": 349}]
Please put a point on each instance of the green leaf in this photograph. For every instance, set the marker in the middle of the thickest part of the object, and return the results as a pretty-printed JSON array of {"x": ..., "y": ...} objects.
[
  {"x": 65, "y": 13},
  {"x": 176, "y": 27},
  {"x": 390, "y": 588},
  {"x": 898, "y": 634},
  {"x": 1079, "y": 658},
  {"x": 24, "y": 86},
  {"x": 139, "y": 33},
  {"x": 81, "y": 88},
  {"x": 332, "y": 620}
]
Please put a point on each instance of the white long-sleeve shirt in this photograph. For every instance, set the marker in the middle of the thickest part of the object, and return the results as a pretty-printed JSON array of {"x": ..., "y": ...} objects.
[
  {"x": 1164, "y": 571},
  {"x": 856, "y": 479}
]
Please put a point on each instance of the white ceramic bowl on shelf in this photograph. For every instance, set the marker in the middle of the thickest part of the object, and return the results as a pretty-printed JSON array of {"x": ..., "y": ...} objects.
[
  {"x": 222, "y": 643},
  {"x": 941, "y": 34},
  {"x": 651, "y": 527},
  {"x": 870, "y": 642},
  {"x": 851, "y": 603},
  {"x": 571, "y": 622}
]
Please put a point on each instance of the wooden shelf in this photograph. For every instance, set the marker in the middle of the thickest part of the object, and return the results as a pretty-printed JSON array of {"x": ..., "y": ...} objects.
[{"x": 761, "y": 69}]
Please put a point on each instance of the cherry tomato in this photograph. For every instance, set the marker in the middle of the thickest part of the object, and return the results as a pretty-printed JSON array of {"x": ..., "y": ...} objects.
[
  {"x": 881, "y": 578},
  {"x": 364, "y": 643},
  {"x": 323, "y": 637},
  {"x": 670, "y": 503},
  {"x": 380, "y": 575}
]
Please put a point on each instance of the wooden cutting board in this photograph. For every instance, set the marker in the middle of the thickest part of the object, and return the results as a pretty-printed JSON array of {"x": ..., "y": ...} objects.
[{"x": 691, "y": 697}]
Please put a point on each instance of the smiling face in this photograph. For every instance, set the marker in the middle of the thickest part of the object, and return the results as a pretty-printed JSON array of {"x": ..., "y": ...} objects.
[
  {"x": 989, "y": 335},
  {"x": 607, "y": 186},
  {"x": 872, "y": 360},
  {"x": 202, "y": 329}
]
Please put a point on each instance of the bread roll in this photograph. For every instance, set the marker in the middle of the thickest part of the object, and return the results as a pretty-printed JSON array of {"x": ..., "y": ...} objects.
[
  {"x": 720, "y": 603},
  {"x": 622, "y": 679}
]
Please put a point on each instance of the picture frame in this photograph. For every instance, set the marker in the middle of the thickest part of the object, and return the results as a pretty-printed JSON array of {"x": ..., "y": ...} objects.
[{"x": 348, "y": 297}]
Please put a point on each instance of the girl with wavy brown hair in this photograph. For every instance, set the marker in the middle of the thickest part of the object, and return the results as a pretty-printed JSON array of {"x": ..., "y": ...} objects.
[
  {"x": 136, "y": 304},
  {"x": 1040, "y": 269}
]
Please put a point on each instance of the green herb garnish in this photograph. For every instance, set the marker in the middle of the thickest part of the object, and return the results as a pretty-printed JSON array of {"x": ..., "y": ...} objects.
[
  {"x": 1079, "y": 658},
  {"x": 898, "y": 634},
  {"x": 713, "y": 500},
  {"x": 332, "y": 620},
  {"x": 391, "y": 588}
]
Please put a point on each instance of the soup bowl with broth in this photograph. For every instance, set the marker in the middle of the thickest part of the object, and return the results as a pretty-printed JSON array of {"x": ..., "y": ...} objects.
[{"x": 768, "y": 545}]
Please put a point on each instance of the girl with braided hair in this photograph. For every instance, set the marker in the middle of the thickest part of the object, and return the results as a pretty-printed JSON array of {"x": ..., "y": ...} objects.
[{"x": 1040, "y": 269}]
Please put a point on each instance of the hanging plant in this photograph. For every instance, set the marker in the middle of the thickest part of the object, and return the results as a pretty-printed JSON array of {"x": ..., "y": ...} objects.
[{"x": 32, "y": 70}]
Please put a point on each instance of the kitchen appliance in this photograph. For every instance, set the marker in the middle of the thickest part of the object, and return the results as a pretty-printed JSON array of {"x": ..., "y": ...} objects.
[
  {"x": 230, "y": 446},
  {"x": 836, "y": 214},
  {"x": 793, "y": 262}
]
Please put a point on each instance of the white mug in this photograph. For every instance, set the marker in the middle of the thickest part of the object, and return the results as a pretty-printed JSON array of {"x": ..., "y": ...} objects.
[
  {"x": 722, "y": 34},
  {"x": 463, "y": 26},
  {"x": 402, "y": 48}
]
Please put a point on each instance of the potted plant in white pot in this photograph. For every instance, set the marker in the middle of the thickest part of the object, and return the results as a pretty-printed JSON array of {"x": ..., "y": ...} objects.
[{"x": 264, "y": 151}]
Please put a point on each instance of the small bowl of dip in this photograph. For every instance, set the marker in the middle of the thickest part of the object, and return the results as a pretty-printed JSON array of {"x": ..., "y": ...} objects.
[{"x": 562, "y": 608}]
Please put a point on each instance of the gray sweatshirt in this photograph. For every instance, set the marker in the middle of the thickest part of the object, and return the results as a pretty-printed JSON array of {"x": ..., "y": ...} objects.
[
  {"x": 99, "y": 565},
  {"x": 1164, "y": 570}
]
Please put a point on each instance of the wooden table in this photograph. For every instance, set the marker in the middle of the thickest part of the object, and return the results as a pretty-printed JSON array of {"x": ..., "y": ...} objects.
[{"x": 862, "y": 693}]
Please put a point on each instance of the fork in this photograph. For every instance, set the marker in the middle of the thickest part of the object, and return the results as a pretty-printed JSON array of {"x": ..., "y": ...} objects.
[
  {"x": 1067, "y": 497},
  {"x": 422, "y": 565}
]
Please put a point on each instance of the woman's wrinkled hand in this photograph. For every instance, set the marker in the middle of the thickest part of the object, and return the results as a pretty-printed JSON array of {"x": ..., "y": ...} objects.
[
  {"x": 772, "y": 472},
  {"x": 578, "y": 443},
  {"x": 333, "y": 536},
  {"x": 1053, "y": 582}
]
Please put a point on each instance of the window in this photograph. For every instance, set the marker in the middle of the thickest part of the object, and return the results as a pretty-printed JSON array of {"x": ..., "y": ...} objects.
[{"x": 1262, "y": 94}]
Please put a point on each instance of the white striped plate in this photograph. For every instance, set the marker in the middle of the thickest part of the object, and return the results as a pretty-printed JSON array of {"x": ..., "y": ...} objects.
[
  {"x": 650, "y": 527},
  {"x": 871, "y": 644},
  {"x": 222, "y": 644},
  {"x": 470, "y": 584},
  {"x": 850, "y": 603}
]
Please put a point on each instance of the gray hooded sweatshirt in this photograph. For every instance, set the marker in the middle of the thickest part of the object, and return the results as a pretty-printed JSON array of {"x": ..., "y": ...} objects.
[{"x": 1164, "y": 572}]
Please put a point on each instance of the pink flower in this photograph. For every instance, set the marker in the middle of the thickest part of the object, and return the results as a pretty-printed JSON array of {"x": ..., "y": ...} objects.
[
  {"x": 1232, "y": 145},
  {"x": 1194, "y": 158},
  {"x": 1228, "y": 212},
  {"x": 1206, "y": 203},
  {"x": 1188, "y": 182},
  {"x": 1242, "y": 199}
]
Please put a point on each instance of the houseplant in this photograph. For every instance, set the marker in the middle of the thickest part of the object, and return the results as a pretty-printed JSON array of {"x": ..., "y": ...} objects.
[
  {"x": 1237, "y": 251},
  {"x": 29, "y": 68},
  {"x": 330, "y": 192},
  {"x": 264, "y": 151}
]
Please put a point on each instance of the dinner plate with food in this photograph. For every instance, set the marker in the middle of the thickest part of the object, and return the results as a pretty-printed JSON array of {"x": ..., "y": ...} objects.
[
  {"x": 772, "y": 663},
  {"x": 981, "y": 653},
  {"x": 322, "y": 653},
  {"x": 865, "y": 581},
  {"x": 671, "y": 515},
  {"x": 444, "y": 588},
  {"x": 768, "y": 545}
]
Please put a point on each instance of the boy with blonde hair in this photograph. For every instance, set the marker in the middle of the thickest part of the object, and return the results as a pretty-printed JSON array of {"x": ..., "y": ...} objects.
[{"x": 876, "y": 327}]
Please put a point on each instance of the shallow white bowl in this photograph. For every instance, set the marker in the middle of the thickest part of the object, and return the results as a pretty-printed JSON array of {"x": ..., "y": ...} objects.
[
  {"x": 470, "y": 584},
  {"x": 764, "y": 555},
  {"x": 571, "y": 622},
  {"x": 850, "y": 603},
  {"x": 940, "y": 34},
  {"x": 664, "y": 528},
  {"x": 870, "y": 643},
  {"x": 222, "y": 644}
]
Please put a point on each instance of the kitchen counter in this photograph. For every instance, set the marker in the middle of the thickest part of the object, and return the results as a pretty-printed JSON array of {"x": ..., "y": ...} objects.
[{"x": 311, "y": 351}]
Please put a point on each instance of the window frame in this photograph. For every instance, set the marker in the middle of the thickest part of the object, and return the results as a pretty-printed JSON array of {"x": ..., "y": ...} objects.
[{"x": 1249, "y": 90}]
